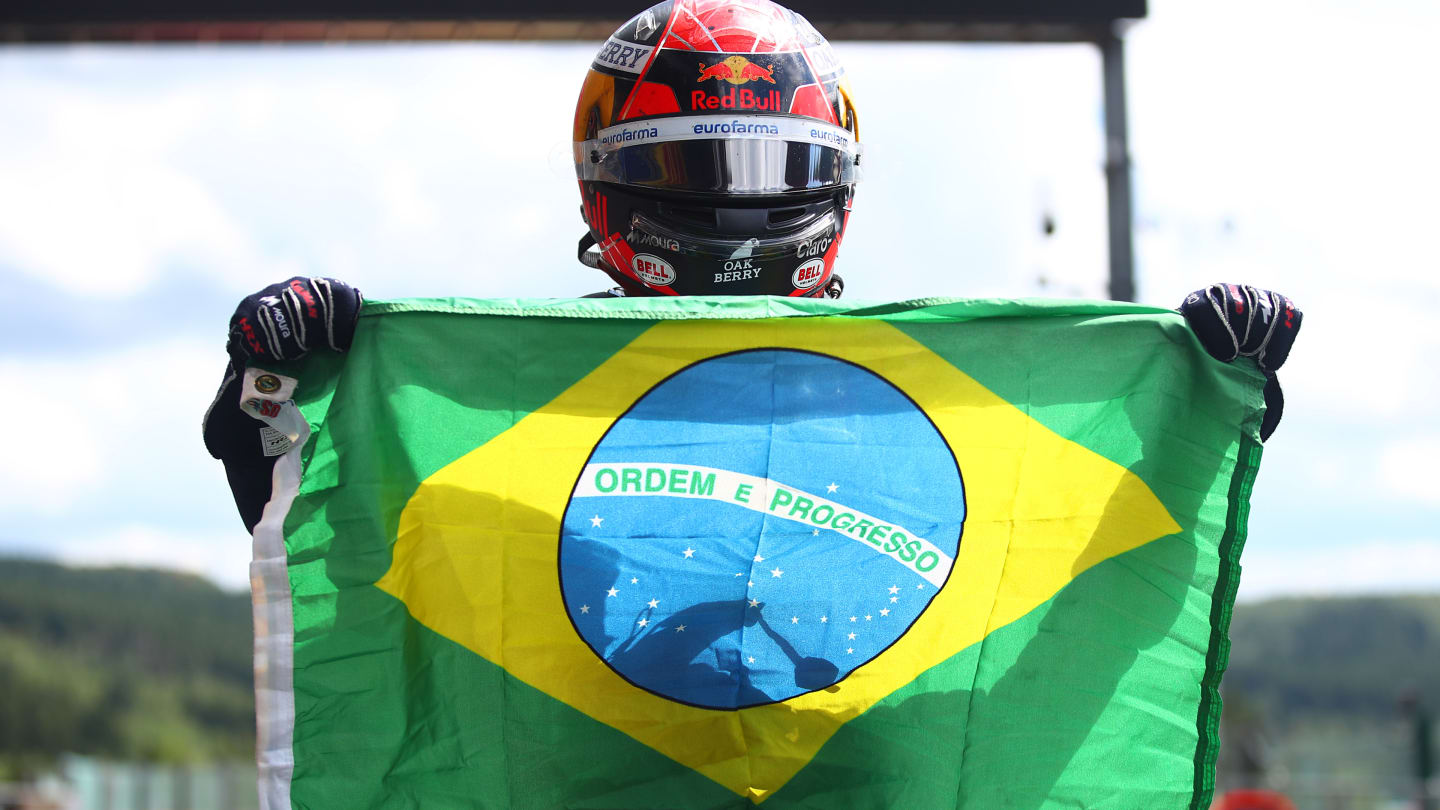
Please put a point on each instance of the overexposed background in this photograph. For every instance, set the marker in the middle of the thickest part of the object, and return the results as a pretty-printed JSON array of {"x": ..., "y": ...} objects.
[{"x": 144, "y": 189}]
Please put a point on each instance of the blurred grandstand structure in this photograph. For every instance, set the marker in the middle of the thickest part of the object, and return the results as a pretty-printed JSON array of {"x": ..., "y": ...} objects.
[
  {"x": 354, "y": 20},
  {"x": 1099, "y": 22}
]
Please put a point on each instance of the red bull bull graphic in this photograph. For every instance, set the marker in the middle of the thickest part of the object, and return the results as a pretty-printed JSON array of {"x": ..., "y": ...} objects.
[
  {"x": 737, "y": 69},
  {"x": 752, "y": 72},
  {"x": 716, "y": 71}
]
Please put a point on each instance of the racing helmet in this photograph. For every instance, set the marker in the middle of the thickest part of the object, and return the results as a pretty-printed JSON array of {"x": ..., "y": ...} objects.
[{"x": 717, "y": 149}]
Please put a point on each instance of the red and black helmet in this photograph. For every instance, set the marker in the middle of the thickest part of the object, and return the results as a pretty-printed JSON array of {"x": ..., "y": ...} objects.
[{"x": 717, "y": 150}]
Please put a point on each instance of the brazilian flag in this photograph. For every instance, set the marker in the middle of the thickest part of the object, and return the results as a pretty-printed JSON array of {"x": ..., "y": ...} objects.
[{"x": 721, "y": 553}]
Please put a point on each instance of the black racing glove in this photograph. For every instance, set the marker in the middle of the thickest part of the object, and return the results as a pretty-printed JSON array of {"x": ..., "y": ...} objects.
[
  {"x": 1233, "y": 320},
  {"x": 286, "y": 320},
  {"x": 281, "y": 322}
]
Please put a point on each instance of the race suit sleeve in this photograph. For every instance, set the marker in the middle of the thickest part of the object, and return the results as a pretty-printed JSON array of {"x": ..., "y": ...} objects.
[{"x": 239, "y": 441}]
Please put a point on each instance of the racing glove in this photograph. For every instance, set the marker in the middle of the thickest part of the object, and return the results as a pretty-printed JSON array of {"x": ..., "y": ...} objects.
[
  {"x": 285, "y": 321},
  {"x": 1233, "y": 320},
  {"x": 281, "y": 322}
]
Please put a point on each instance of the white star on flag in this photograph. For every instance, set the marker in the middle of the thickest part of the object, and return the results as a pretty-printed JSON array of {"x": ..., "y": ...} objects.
[
  {"x": 596, "y": 521},
  {"x": 794, "y": 619},
  {"x": 776, "y": 572},
  {"x": 754, "y": 603},
  {"x": 758, "y": 558},
  {"x": 584, "y": 608},
  {"x": 849, "y": 650},
  {"x": 868, "y": 617},
  {"x": 612, "y": 592},
  {"x": 894, "y": 589},
  {"x": 885, "y": 612},
  {"x": 894, "y": 599},
  {"x": 680, "y": 629},
  {"x": 824, "y": 619},
  {"x": 653, "y": 603},
  {"x": 689, "y": 552},
  {"x": 643, "y": 622},
  {"x": 852, "y": 618},
  {"x": 634, "y": 581},
  {"x": 752, "y": 659},
  {"x": 851, "y": 637},
  {"x": 831, "y": 489}
]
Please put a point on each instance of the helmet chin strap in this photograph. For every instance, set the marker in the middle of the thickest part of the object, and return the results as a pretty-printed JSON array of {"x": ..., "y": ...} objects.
[
  {"x": 587, "y": 256},
  {"x": 590, "y": 256}
]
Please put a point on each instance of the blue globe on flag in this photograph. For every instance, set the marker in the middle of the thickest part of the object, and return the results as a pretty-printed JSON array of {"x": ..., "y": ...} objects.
[{"x": 758, "y": 526}]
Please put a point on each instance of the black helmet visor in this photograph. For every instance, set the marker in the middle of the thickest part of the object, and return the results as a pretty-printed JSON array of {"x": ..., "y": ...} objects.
[{"x": 714, "y": 154}]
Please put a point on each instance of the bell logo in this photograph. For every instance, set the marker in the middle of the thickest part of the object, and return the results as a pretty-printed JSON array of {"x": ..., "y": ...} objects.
[
  {"x": 808, "y": 274},
  {"x": 653, "y": 270}
]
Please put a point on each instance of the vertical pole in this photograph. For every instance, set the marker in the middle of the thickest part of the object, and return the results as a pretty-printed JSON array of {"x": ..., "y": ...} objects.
[
  {"x": 1424, "y": 759},
  {"x": 1420, "y": 720},
  {"x": 1117, "y": 168}
]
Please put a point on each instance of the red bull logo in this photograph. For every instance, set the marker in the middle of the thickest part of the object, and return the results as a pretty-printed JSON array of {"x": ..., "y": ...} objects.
[
  {"x": 737, "y": 98},
  {"x": 737, "y": 70}
]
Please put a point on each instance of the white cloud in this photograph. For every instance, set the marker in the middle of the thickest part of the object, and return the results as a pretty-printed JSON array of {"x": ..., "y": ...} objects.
[
  {"x": 1263, "y": 158},
  {"x": 407, "y": 206},
  {"x": 93, "y": 227},
  {"x": 94, "y": 199},
  {"x": 1366, "y": 566},
  {"x": 960, "y": 172},
  {"x": 95, "y": 424},
  {"x": 1253, "y": 141},
  {"x": 1410, "y": 468},
  {"x": 1366, "y": 353},
  {"x": 104, "y": 462},
  {"x": 222, "y": 557},
  {"x": 52, "y": 444},
  {"x": 249, "y": 165}
]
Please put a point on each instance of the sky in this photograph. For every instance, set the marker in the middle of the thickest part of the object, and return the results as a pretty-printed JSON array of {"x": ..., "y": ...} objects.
[{"x": 1286, "y": 144}]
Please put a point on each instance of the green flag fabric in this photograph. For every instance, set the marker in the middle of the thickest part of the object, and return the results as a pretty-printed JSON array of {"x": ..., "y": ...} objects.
[{"x": 720, "y": 553}]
